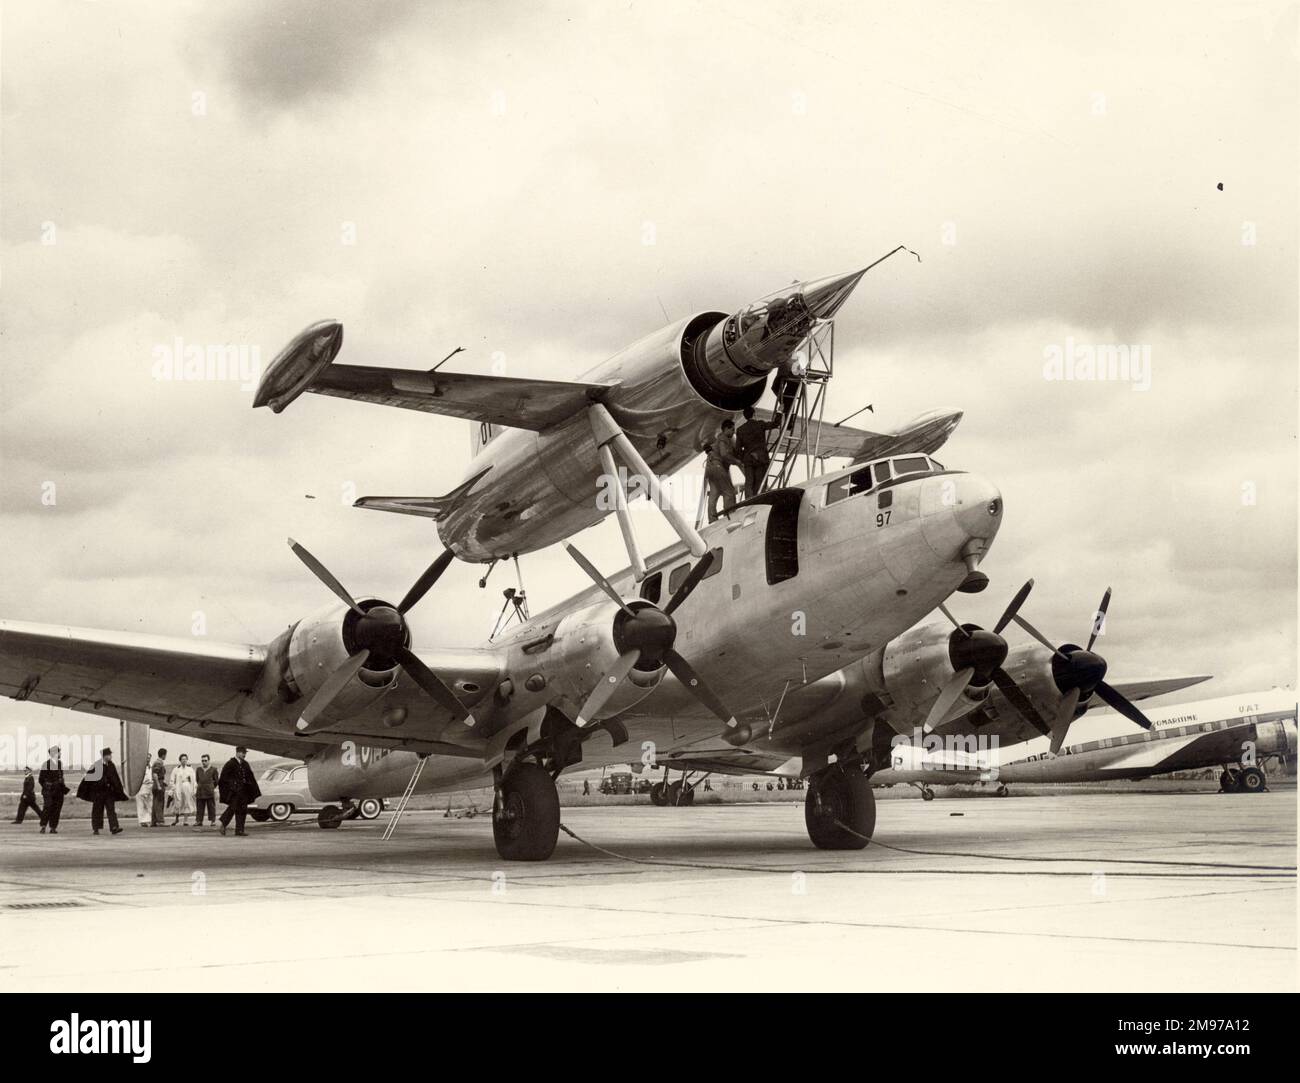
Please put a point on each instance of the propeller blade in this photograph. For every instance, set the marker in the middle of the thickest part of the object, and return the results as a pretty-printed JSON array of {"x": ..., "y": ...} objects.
[
  {"x": 700, "y": 570},
  {"x": 1014, "y": 607},
  {"x": 944, "y": 610},
  {"x": 433, "y": 685},
  {"x": 1037, "y": 635},
  {"x": 608, "y": 685},
  {"x": 948, "y": 695},
  {"x": 1064, "y": 716},
  {"x": 682, "y": 670},
  {"x": 426, "y": 581},
  {"x": 597, "y": 578},
  {"x": 1099, "y": 621},
  {"x": 334, "y": 684},
  {"x": 1124, "y": 706},
  {"x": 323, "y": 574},
  {"x": 1008, "y": 687}
]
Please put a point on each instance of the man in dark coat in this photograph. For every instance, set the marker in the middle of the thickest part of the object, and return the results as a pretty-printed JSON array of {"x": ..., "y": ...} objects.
[
  {"x": 751, "y": 446},
  {"x": 238, "y": 787},
  {"x": 52, "y": 789},
  {"x": 28, "y": 799},
  {"x": 102, "y": 787}
]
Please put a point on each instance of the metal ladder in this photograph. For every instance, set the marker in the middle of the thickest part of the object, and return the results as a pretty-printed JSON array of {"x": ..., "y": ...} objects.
[
  {"x": 406, "y": 797},
  {"x": 800, "y": 431}
]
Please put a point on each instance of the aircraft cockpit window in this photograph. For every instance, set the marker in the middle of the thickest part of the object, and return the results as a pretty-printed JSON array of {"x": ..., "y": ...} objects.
[
  {"x": 850, "y": 485},
  {"x": 916, "y": 464},
  {"x": 652, "y": 586},
  {"x": 882, "y": 473}
]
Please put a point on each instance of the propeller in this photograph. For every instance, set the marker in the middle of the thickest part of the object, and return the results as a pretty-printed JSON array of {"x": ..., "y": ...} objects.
[
  {"x": 977, "y": 655},
  {"x": 377, "y": 636},
  {"x": 644, "y": 635},
  {"x": 1078, "y": 673}
]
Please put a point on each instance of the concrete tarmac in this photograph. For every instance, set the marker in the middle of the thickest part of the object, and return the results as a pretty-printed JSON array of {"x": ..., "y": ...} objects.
[{"x": 1161, "y": 891}]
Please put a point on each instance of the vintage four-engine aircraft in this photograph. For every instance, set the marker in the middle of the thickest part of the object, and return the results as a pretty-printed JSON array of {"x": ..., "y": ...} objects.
[
  {"x": 769, "y": 640},
  {"x": 797, "y": 585}
]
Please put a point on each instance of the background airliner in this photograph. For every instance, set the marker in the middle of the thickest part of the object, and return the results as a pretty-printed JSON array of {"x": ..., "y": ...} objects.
[{"x": 1238, "y": 733}]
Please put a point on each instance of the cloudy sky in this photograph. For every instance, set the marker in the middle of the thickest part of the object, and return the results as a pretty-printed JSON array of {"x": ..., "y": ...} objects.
[{"x": 543, "y": 182}]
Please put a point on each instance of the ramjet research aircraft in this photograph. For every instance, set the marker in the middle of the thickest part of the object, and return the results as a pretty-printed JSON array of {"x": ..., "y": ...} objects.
[{"x": 542, "y": 446}]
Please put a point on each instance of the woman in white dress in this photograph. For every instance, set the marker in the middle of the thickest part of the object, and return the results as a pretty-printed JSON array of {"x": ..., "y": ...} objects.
[
  {"x": 144, "y": 799},
  {"x": 182, "y": 785}
]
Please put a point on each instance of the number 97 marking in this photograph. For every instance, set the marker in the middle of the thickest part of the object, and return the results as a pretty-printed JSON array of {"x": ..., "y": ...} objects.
[{"x": 882, "y": 518}]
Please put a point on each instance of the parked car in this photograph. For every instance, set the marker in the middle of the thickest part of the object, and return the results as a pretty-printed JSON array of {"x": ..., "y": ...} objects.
[{"x": 285, "y": 793}]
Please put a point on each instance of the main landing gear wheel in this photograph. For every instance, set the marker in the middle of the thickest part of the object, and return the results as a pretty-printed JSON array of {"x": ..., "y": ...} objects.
[
  {"x": 1229, "y": 781},
  {"x": 526, "y": 814},
  {"x": 371, "y": 807},
  {"x": 329, "y": 817},
  {"x": 1002, "y": 790},
  {"x": 840, "y": 810},
  {"x": 657, "y": 795},
  {"x": 1253, "y": 780},
  {"x": 927, "y": 794}
]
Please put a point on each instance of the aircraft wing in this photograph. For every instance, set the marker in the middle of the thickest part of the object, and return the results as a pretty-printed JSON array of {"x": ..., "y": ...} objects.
[
  {"x": 1155, "y": 686},
  {"x": 501, "y": 400},
  {"x": 193, "y": 686},
  {"x": 926, "y": 433}
]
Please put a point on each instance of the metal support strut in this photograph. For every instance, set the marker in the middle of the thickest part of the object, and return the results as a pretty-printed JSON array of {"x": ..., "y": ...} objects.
[{"x": 610, "y": 439}]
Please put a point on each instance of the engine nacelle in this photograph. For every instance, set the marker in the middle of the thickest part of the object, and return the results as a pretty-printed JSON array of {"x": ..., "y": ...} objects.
[
  {"x": 914, "y": 668},
  {"x": 586, "y": 647},
  {"x": 1031, "y": 667},
  {"x": 300, "y": 660}
]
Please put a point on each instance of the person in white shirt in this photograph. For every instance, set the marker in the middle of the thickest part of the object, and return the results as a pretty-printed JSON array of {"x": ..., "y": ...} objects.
[{"x": 182, "y": 784}]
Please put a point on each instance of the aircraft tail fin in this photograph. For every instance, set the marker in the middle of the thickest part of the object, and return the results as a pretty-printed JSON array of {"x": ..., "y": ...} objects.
[{"x": 429, "y": 507}]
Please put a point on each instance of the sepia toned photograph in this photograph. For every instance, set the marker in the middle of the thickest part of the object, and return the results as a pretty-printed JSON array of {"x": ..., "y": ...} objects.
[{"x": 622, "y": 497}]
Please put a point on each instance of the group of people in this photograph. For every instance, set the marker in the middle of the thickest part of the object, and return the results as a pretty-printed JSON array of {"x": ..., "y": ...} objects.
[
  {"x": 189, "y": 791},
  {"x": 745, "y": 447}
]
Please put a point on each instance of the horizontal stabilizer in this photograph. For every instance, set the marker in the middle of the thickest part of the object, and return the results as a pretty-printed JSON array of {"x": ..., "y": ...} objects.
[{"x": 428, "y": 507}]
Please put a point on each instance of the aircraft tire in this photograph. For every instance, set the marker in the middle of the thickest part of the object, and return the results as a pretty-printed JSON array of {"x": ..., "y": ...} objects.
[
  {"x": 657, "y": 796},
  {"x": 927, "y": 794},
  {"x": 1252, "y": 780},
  {"x": 526, "y": 819},
  {"x": 840, "y": 810},
  {"x": 329, "y": 817},
  {"x": 1230, "y": 782}
]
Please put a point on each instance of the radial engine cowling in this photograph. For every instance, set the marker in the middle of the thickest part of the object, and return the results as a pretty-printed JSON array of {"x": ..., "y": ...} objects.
[
  {"x": 918, "y": 664},
  {"x": 322, "y": 642}
]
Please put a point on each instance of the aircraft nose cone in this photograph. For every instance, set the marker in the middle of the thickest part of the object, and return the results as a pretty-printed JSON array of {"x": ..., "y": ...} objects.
[
  {"x": 978, "y": 506},
  {"x": 824, "y": 296}
]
